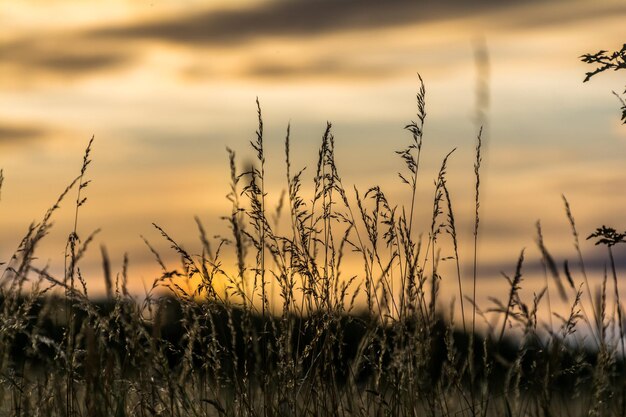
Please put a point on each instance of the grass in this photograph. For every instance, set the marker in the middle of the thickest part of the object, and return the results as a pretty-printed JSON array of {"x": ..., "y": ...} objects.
[{"x": 295, "y": 332}]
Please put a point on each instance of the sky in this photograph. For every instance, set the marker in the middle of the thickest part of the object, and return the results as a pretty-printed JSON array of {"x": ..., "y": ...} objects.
[{"x": 165, "y": 86}]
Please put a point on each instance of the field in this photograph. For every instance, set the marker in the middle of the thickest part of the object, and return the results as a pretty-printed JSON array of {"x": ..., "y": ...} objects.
[{"x": 262, "y": 323}]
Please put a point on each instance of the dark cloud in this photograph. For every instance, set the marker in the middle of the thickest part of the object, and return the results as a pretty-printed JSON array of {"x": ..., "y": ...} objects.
[
  {"x": 595, "y": 265},
  {"x": 294, "y": 18},
  {"x": 61, "y": 55},
  {"x": 569, "y": 12},
  {"x": 69, "y": 63},
  {"x": 317, "y": 68},
  {"x": 10, "y": 133},
  {"x": 313, "y": 17}
]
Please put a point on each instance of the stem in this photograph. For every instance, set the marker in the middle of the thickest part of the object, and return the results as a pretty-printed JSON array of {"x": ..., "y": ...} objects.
[
  {"x": 619, "y": 322},
  {"x": 474, "y": 266}
]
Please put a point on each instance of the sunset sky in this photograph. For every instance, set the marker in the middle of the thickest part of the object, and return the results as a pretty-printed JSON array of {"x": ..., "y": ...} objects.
[{"x": 166, "y": 85}]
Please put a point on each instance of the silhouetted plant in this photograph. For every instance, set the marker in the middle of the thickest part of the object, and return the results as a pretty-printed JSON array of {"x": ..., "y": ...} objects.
[
  {"x": 607, "y": 60},
  {"x": 611, "y": 237},
  {"x": 608, "y": 236}
]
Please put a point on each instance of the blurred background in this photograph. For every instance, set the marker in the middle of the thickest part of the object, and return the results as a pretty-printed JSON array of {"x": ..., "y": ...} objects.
[{"x": 165, "y": 86}]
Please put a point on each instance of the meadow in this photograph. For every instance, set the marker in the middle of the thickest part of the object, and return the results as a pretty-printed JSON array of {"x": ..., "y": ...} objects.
[{"x": 269, "y": 323}]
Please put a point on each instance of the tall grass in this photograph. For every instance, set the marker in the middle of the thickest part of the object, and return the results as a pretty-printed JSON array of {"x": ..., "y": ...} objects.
[{"x": 297, "y": 333}]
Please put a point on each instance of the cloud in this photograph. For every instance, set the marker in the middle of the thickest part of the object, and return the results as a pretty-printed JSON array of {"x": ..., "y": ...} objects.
[
  {"x": 563, "y": 12},
  {"x": 315, "y": 17},
  {"x": 70, "y": 63},
  {"x": 595, "y": 265},
  {"x": 72, "y": 54},
  {"x": 289, "y": 19},
  {"x": 11, "y": 133},
  {"x": 64, "y": 55},
  {"x": 318, "y": 68}
]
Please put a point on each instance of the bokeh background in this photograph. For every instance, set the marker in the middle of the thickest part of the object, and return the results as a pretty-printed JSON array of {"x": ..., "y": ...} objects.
[{"x": 166, "y": 85}]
